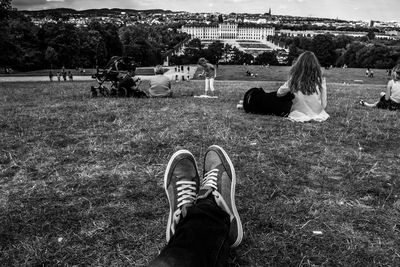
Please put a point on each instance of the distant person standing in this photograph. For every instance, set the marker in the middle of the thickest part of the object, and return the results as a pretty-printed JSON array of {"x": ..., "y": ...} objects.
[
  {"x": 70, "y": 76},
  {"x": 367, "y": 72},
  {"x": 58, "y": 76},
  {"x": 64, "y": 74},
  {"x": 51, "y": 75},
  {"x": 209, "y": 72}
]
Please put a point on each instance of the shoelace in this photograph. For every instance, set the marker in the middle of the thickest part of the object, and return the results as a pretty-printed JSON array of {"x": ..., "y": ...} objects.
[
  {"x": 186, "y": 192},
  {"x": 186, "y": 195},
  {"x": 210, "y": 179}
]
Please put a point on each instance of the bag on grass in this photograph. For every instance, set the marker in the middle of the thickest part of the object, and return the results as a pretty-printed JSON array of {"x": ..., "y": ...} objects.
[{"x": 256, "y": 100}]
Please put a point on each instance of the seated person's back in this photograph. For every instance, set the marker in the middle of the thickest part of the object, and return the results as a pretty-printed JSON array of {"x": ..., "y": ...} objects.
[
  {"x": 309, "y": 89},
  {"x": 160, "y": 85}
]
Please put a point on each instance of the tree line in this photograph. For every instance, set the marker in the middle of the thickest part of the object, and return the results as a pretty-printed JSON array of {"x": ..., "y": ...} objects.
[
  {"x": 361, "y": 52},
  {"x": 26, "y": 46}
]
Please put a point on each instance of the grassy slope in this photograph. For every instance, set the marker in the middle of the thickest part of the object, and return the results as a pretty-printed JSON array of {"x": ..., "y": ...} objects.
[
  {"x": 88, "y": 72},
  {"x": 279, "y": 73},
  {"x": 81, "y": 179}
]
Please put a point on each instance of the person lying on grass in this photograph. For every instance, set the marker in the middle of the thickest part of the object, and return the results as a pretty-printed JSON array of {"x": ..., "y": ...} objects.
[{"x": 391, "y": 99}]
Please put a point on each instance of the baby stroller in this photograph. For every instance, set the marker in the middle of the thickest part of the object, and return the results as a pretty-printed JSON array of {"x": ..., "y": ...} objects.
[{"x": 119, "y": 73}]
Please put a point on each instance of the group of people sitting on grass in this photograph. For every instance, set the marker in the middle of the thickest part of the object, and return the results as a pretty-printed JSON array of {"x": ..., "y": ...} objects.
[{"x": 303, "y": 97}]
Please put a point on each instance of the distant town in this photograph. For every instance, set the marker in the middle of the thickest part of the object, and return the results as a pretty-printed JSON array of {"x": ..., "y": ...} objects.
[
  {"x": 282, "y": 24},
  {"x": 72, "y": 38}
]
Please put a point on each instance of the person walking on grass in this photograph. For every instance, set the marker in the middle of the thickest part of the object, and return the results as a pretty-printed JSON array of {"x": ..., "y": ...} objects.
[
  {"x": 309, "y": 89},
  {"x": 209, "y": 72},
  {"x": 203, "y": 222},
  {"x": 391, "y": 98}
]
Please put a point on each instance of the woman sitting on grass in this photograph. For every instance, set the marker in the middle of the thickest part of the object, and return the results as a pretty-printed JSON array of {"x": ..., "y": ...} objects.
[
  {"x": 391, "y": 99},
  {"x": 309, "y": 89}
]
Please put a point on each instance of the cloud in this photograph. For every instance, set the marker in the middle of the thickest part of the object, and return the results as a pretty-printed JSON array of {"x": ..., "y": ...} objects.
[
  {"x": 237, "y": 1},
  {"x": 28, "y": 2}
]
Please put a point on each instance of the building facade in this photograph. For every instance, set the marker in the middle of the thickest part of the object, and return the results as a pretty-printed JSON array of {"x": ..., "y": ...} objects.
[
  {"x": 312, "y": 33},
  {"x": 228, "y": 31}
]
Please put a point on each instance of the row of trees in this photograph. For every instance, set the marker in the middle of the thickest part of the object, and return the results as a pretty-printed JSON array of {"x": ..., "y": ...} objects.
[
  {"x": 364, "y": 52},
  {"x": 26, "y": 46}
]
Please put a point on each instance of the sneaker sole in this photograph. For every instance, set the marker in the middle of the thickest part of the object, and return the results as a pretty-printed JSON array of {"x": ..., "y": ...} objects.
[
  {"x": 166, "y": 174},
  {"x": 233, "y": 187}
]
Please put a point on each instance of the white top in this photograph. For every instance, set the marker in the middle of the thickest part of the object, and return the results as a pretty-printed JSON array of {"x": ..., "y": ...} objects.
[
  {"x": 394, "y": 90},
  {"x": 307, "y": 107}
]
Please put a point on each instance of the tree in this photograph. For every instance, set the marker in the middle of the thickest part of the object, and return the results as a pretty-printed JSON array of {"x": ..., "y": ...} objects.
[
  {"x": 93, "y": 50},
  {"x": 6, "y": 44},
  {"x": 51, "y": 56},
  {"x": 350, "y": 56},
  {"x": 323, "y": 48},
  {"x": 267, "y": 58},
  {"x": 193, "y": 48},
  {"x": 374, "y": 56},
  {"x": 371, "y": 35},
  {"x": 110, "y": 40},
  {"x": 227, "y": 52},
  {"x": 342, "y": 41},
  {"x": 294, "y": 53},
  {"x": 215, "y": 51},
  {"x": 5, "y": 8}
]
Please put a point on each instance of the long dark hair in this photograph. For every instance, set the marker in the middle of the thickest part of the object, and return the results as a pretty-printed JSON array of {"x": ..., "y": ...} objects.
[{"x": 305, "y": 75}]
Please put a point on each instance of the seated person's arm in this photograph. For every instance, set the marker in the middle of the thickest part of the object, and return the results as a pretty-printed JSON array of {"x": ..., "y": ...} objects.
[
  {"x": 283, "y": 90},
  {"x": 388, "y": 90},
  {"x": 323, "y": 93}
]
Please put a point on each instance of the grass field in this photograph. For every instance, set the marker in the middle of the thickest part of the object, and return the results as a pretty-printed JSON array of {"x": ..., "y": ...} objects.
[
  {"x": 81, "y": 179},
  {"x": 88, "y": 72},
  {"x": 279, "y": 73}
]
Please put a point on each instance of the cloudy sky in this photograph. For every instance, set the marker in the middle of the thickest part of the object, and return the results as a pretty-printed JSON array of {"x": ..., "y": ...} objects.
[{"x": 385, "y": 10}]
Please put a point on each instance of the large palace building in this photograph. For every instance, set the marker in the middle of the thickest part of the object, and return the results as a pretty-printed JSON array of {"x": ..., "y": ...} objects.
[{"x": 228, "y": 31}]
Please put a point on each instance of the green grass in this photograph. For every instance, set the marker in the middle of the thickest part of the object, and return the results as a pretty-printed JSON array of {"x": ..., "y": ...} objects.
[
  {"x": 88, "y": 72},
  {"x": 81, "y": 179},
  {"x": 280, "y": 73}
]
